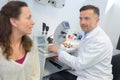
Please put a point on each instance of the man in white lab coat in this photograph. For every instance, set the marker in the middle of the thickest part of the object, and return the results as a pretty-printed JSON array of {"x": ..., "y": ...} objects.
[{"x": 94, "y": 54}]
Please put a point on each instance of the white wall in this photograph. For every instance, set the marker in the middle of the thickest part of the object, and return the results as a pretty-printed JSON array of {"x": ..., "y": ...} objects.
[
  {"x": 53, "y": 16},
  {"x": 111, "y": 24},
  {"x": 2, "y": 2}
]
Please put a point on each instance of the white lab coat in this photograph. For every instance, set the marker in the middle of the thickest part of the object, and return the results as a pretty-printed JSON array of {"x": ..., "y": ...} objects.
[{"x": 93, "y": 61}]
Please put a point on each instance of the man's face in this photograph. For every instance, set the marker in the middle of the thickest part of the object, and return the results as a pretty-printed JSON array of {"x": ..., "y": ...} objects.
[{"x": 88, "y": 20}]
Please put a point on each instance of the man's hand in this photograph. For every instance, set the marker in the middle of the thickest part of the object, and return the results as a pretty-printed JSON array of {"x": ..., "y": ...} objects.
[{"x": 53, "y": 48}]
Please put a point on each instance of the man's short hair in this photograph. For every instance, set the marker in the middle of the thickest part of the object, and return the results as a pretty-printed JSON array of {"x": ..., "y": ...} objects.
[{"x": 94, "y": 8}]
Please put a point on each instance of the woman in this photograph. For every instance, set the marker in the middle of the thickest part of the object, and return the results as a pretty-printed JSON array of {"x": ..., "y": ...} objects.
[{"x": 18, "y": 58}]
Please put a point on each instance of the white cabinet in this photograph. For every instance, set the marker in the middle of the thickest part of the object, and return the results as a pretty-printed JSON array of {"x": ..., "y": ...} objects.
[{"x": 48, "y": 65}]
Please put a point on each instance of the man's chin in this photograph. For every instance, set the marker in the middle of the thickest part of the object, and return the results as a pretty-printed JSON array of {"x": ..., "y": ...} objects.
[{"x": 84, "y": 30}]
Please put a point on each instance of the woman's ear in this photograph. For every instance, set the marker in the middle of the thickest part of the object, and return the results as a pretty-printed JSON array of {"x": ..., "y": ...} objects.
[{"x": 13, "y": 22}]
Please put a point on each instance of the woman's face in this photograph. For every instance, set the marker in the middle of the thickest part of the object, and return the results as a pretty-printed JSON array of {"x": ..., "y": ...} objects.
[{"x": 24, "y": 23}]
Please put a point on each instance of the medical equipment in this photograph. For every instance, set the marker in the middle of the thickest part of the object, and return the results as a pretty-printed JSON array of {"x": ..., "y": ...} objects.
[
  {"x": 58, "y": 3},
  {"x": 60, "y": 36},
  {"x": 44, "y": 28},
  {"x": 42, "y": 44},
  {"x": 42, "y": 39},
  {"x": 60, "y": 33},
  {"x": 44, "y": 2},
  {"x": 58, "y": 39},
  {"x": 55, "y": 3}
]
